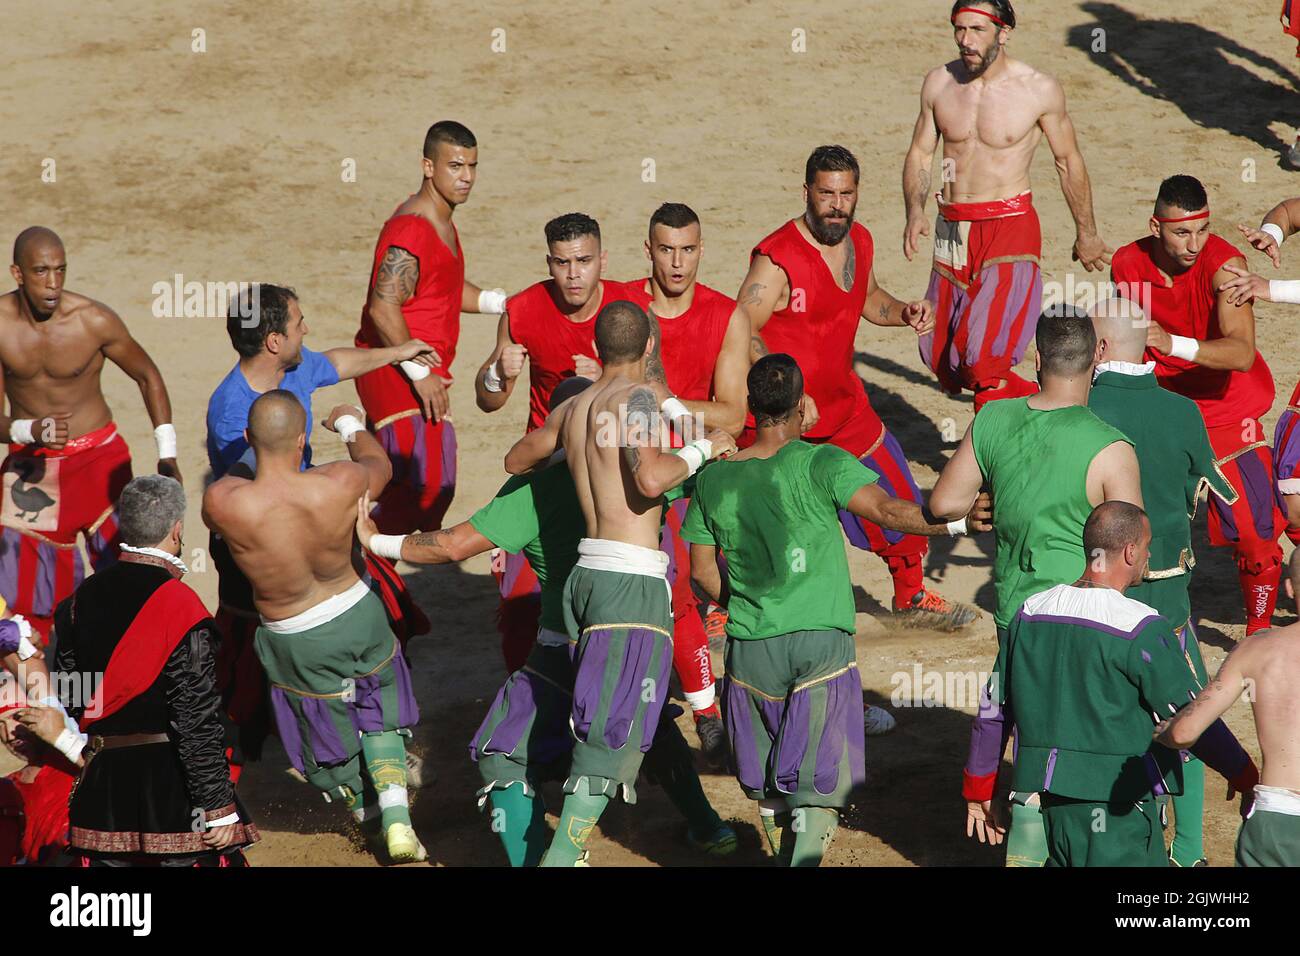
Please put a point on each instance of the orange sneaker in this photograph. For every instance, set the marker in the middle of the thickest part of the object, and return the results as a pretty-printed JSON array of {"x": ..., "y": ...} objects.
[
  {"x": 932, "y": 611},
  {"x": 715, "y": 626}
]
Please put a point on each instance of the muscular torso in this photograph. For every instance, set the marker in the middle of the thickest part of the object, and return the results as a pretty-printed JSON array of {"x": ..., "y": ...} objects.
[
  {"x": 990, "y": 130},
  {"x": 612, "y": 505},
  {"x": 1274, "y": 669},
  {"x": 54, "y": 366},
  {"x": 291, "y": 535}
]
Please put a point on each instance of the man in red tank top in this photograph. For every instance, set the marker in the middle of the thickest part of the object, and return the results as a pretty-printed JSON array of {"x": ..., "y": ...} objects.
[
  {"x": 703, "y": 345},
  {"x": 418, "y": 290},
  {"x": 809, "y": 284},
  {"x": 1203, "y": 346}
]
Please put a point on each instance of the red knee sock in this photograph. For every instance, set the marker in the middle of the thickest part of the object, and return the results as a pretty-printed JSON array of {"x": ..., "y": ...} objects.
[
  {"x": 693, "y": 664},
  {"x": 1259, "y": 588},
  {"x": 908, "y": 578}
]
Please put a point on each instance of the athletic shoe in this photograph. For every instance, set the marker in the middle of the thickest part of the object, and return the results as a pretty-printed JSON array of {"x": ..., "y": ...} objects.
[
  {"x": 417, "y": 777},
  {"x": 713, "y": 740},
  {"x": 1291, "y": 158},
  {"x": 721, "y": 842},
  {"x": 1201, "y": 862},
  {"x": 877, "y": 721},
  {"x": 403, "y": 845},
  {"x": 715, "y": 627},
  {"x": 932, "y": 611}
]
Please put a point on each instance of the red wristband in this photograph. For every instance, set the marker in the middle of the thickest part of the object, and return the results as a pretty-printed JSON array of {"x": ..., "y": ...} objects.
[{"x": 978, "y": 787}]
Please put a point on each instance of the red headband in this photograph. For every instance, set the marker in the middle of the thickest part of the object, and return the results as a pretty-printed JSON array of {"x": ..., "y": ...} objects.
[
  {"x": 1199, "y": 215},
  {"x": 983, "y": 13}
]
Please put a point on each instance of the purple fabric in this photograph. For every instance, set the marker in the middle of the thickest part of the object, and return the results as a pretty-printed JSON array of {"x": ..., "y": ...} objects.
[
  {"x": 1286, "y": 447},
  {"x": 888, "y": 449},
  {"x": 1050, "y": 769},
  {"x": 988, "y": 737},
  {"x": 104, "y": 552},
  {"x": 1219, "y": 750},
  {"x": 792, "y": 743},
  {"x": 322, "y": 736},
  {"x": 10, "y": 541},
  {"x": 977, "y": 321},
  {"x": 844, "y": 727},
  {"x": 514, "y": 566},
  {"x": 449, "y": 448},
  {"x": 1026, "y": 285},
  {"x": 367, "y": 710},
  {"x": 286, "y": 722},
  {"x": 638, "y": 654},
  {"x": 1091, "y": 624},
  {"x": 408, "y": 711},
  {"x": 43, "y": 595},
  {"x": 9, "y": 635},
  {"x": 1257, "y": 482},
  {"x": 740, "y": 729},
  {"x": 589, "y": 660}
]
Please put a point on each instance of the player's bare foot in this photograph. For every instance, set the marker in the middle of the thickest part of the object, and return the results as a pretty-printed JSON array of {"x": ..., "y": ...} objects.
[{"x": 932, "y": 611}]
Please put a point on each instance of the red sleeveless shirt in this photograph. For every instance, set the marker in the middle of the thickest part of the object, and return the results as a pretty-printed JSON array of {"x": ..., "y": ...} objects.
[
  {"x": 817, "y": 329},
  {"x": 691, "y": 342}
]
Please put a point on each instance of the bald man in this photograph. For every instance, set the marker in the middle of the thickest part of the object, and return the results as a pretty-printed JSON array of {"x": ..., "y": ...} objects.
[
  {"x": 1081, "y": 673},
  {"x": 1177, "y": 464},
  {"x": 67, "y": 464},
  {"x": 340, "y": 687},
  {"x": 1268, "y": 665}
]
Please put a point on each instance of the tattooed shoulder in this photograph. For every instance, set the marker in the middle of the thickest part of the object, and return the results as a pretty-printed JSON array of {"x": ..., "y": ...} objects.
[
  {"x": 398, "y": 273},
  {"x": 850, "y": 265}
]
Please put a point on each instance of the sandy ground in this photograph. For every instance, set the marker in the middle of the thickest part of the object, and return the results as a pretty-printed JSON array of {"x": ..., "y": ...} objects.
[{"x": 228, "y": 165}]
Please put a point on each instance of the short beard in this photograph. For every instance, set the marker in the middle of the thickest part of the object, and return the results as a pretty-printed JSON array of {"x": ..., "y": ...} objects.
[
  {"x": 825, "y": 231},
  {"x": 985, "y": 62}
]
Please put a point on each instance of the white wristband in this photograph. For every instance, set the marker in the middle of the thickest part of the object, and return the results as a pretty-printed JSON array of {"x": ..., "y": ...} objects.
[
  {"x": 414, "y": 370},
  {"x": 227, "y": 820},
  {"x": 492, "y": 379},
  {"x": 1273, "y": 230},
  {"x": 673, "y": 409},
  {"x": 70, "y": 744},
  {"x": 695, "y": 454},
  {"x": 1180, "y": 346},
  {"x": 492, "y": 301},
  {"x": 387, "y": 545},
  {"x": 347, "y": 426},
  {"x": 1284, "y": 290},
  {"x": 957, "y": 527},
  {"x": 20, "y": 431},
  {"x": 25, "y": 648},
  {"x": 164, "y": 437}
]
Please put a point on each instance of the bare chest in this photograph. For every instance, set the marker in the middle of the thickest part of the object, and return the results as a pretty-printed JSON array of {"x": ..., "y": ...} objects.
[
  {"x": 62, "y": 350},
  {"x": 998, "y": 117}
]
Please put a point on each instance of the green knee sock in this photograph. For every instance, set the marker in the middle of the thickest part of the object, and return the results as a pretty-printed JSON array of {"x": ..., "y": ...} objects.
[
  {"x": 1188, "y": 846},
  {"x": 385, "y": 755},
  {"x": 578, "y": 819},
  {"x": 1027, "y": 841},
  {"x": 520, "y": 821},
  {"x": 775, "y": 817},
  {"x": 812, "y": 829}
]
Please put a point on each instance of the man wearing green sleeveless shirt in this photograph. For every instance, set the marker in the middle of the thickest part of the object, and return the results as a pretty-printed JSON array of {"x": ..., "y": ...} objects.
[
  {"x": 525, "y": 738},
  {"x": 1048, "y": 461},
  {"x": 792, "y": 697},
  {"x": 1177, "y": 463},
  {"x": 1084, "y": 673}
]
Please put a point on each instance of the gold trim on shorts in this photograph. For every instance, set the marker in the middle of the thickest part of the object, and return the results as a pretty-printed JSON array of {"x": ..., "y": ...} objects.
[
  {"x": 343, "y": 693},
  {"x": 606, "y": 627},
  {"x": 852, "y": 665},
  {"x": 38, "y": 536},
  {"x": 383, "y": 422}
]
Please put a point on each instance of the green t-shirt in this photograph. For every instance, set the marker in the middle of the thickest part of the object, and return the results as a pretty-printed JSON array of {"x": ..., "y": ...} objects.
[
  {"x": 538, "y": 514},
  {"x": 1036, "y": 465},
  {"x": 776, "y": 520}
]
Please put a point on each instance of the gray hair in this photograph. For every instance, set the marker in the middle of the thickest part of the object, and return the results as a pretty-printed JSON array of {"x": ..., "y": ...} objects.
[{"x": 150, "y": 505}]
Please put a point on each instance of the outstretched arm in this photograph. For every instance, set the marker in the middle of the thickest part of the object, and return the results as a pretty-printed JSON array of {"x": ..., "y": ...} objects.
[
  {"x": 880, "y": 507},
  {"x": 363, "y": 448},
  {"x": 352, "y": 362},
  {"x": 445, "y": 546},
  {"x": 881, "y": 308},
  {"x": 540, "y": 444},
  {"x": 1064, "y": 143}
]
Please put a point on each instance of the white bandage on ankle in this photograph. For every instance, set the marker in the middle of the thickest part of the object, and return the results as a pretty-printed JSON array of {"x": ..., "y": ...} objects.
[
  {"x": 20, "y": 431},
  {"x": 386, "y": 545},
  {"x": 164, "y": 437},
  {"x": 695, "y": 454},
  {"x": 347, "y": 426},
  {"x": 957, "y": 527},
  {"x": 414, "y": 370},
  {"x": 1180, "y": 346},
  {"x": 492, "y": 380},
  {"x": 1273, "y": 230},
  {"x": 492, "y": 301},
  {"x": 70, "y": 744},
  {"x": 1284, "y": 290}
]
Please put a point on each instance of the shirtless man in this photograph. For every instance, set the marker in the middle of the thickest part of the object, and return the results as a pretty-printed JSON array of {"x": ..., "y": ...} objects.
[
  {"x": 986, "y": 285},
  {"x": 1267, "y": 666},
  {"x": 67, "y": 464},
  {"x": 418, "y": 290},
  {"x": 810, "y": 284},
  {"x": 332, "y": 659},
  {"x": 617, "y": 599}
]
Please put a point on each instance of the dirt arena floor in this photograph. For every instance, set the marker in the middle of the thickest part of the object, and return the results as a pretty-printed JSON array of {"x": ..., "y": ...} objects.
[{"x": 231, "y": 164}]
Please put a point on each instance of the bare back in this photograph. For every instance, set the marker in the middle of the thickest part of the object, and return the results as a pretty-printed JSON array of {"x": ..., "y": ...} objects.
[
  {"x": 290, "y": 533},
  {"x": 591, "y": 432},
  {"x": 990, "y": 128},
  {"x": 1270, "y": 669},
  {"x": 54, "y": 366}
]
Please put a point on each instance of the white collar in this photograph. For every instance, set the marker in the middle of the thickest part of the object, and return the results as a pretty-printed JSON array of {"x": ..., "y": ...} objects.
[
  {"x": 1124, "y": 368},
  {"x": 157, "y": 553}
]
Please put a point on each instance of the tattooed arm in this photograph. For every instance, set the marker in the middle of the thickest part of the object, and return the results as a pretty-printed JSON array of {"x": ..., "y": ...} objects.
[
  {"x": 881, "y": 308},
  {"x": 765, "y": 290},
  {"x": 394, "y": 284},
  {"x": 446, "y": 546},
  {"x": 1185, "y": 728},
  {"x": 916, "y": 167},
  {"x": 653, "y": 468}
]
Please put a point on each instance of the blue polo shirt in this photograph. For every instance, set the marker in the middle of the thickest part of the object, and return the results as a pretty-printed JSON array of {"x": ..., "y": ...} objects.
[{"x": 229, "y": 405}]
